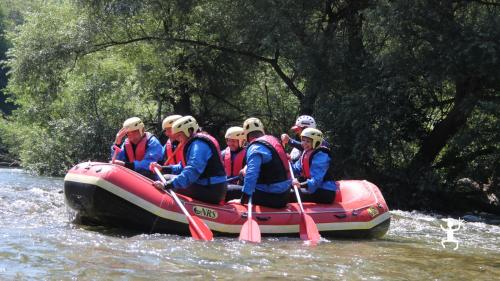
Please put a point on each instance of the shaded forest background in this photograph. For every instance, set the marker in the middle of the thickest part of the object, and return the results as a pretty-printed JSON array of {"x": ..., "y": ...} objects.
[{"x": 407, "y": 92}]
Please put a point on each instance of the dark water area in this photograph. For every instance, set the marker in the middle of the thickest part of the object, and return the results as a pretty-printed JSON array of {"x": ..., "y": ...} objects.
[{"x": 39, "y": 241}]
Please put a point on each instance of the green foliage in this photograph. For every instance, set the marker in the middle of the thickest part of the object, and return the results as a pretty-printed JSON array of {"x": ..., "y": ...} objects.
[
  {"x": 99, "y": 94},
  {"x": 4, "y": 45},
  {"x": 474, "y": 152},
  {"x": 406, "y": 91}
]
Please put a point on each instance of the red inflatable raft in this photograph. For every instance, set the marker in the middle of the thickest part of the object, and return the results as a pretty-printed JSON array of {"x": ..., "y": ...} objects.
[{"x": 111, "y": 195}]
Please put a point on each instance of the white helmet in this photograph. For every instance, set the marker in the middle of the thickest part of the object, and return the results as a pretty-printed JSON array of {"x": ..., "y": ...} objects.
[
  {"x": 185, "y": 123},
  {"x": 169, "y": 120},
  {"x": 132, "y": 124},
  {"x": 314, "y": 134},
  {"x": 236, "y": 133},
  {"x": 251, "y": 125},
  {"x": 304, "y": 121}
]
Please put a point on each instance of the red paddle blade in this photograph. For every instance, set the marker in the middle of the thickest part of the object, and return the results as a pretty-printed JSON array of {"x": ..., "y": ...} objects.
[
  {"x": 250, "y": 232},
  {"x": 308, "y": 229},
  {"x": 199, "y": 230}
]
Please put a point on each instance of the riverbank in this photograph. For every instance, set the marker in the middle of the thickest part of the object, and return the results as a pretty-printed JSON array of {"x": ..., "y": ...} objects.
[
  {"x": 464, "y": 197},
  {"x": 8, "y": 161}
]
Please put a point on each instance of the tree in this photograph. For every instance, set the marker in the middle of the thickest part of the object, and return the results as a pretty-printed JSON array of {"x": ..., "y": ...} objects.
[
  {"x": 4, "y": 107},
  {"x": 59, "y": 65},
  {"x": 441, "y": 59},
  {"x": 406, "y": 91}
]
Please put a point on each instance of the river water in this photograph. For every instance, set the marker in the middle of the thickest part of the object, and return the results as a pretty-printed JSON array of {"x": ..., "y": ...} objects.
[{"x": 39, "y": 241}]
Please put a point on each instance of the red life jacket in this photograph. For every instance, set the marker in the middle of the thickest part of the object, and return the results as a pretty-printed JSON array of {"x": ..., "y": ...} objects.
[
  {"x": 276, "y": 170},
  {"x": 234, "y": 168},
  {"x": 170, "y": 151},
  {"x": 306, "y": 161},
  {"x": 140, "y": 148}
]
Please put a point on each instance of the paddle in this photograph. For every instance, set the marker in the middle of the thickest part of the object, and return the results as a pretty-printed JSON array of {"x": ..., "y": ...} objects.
[
  {"x": 163, "y": 197},
  {"x": 250, "y": 230},
  {"x": 308, "y": 229},
  {"x": 199, "y": 230},
  {"x": 115, "y": 153},
  {"x": 232, "y": 178},
  {"x": 227, "y": 180}
]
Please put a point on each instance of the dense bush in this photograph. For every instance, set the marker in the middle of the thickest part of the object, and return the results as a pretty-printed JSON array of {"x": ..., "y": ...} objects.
[{"x": 406, "y": 91}]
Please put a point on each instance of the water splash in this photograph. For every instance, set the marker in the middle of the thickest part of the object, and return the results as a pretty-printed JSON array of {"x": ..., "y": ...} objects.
[{"x": 40, "y": 241}]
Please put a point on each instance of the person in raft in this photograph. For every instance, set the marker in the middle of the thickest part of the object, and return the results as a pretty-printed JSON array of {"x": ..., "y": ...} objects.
[
  {"x": 171, "y": 145},
  {"x": 302, "y": 122},
  {"x": 267, "y": 176},
  {"x": 234, "y": 154},
  {"x": 202, "y": 177},
  {"x": 139, "y": 148},
  {"x": 315, "y": 169},
  {"x": 234, "y": 161}
]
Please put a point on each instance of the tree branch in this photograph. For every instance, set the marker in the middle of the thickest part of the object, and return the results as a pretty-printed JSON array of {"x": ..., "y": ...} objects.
[
  {"x": 273, "y": 62},
  {"x": 461, "y": 160},
  {"x": 465, "y": 100},
  {"x": 225, "y": 101},
  {"x": 488, "y": 3},
  {"x": 288, "y": 81},
  {"x": 112, "y": 43}
]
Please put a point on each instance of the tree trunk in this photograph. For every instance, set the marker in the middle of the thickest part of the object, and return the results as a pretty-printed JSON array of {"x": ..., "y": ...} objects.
[
  {"x": 159, "y": 102},
  {"x": 183, "y": 106},
  {"x": 465, "y": 100},
  {"x": 307, "y": 104},
  {"x": 356, "y": 48},
  {"x": 495, "y": 178},
  {"x": 318, "y": 82}
]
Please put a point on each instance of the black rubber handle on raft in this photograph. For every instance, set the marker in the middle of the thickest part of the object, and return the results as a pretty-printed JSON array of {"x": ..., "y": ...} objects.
[
  {"x": 245, "y": 215},
  {"x": 262, "y": 218}
]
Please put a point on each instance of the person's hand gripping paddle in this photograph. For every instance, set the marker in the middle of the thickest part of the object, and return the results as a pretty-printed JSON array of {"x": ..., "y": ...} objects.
[{"x": 199, "y": 230}]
